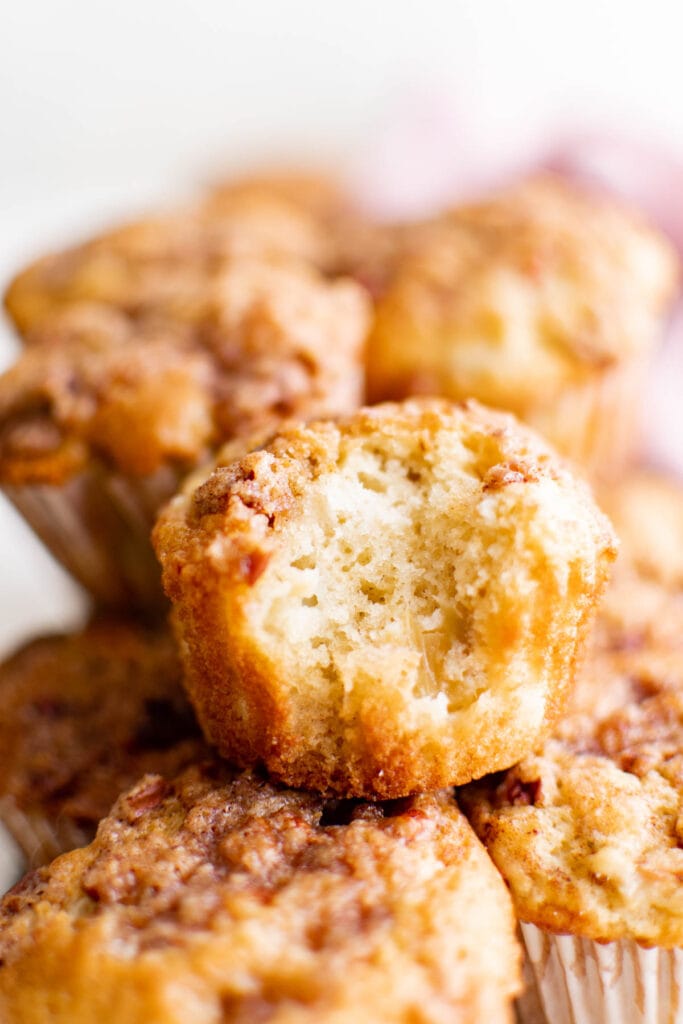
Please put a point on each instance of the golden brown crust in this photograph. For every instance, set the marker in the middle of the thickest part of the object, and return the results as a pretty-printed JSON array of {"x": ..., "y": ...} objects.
[
  {"x": 384, "y": 605},
  {"x": 302, "y": 216},
  {"x": 83, "y": 716},
  {"x": 250, "y": 344},
  {"x": 221, "y": 897},
  {"x": 588, "y": 831},
  {"x": 524, "y": 298},
  {"x": 145, "y": 264}
]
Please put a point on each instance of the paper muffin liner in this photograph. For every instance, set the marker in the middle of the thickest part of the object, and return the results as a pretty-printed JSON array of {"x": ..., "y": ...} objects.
[
  {"x": 596, "y": 423},
  {"x": 39, "y": 838},
  {"x": 98, "y": 526},
  {"x": 578, "y": 981}
]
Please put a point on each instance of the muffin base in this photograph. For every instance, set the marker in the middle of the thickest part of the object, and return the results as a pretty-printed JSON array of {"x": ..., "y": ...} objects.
[
  {"x": 579, "y": 981},
  {"x": 98, "y": 525}
]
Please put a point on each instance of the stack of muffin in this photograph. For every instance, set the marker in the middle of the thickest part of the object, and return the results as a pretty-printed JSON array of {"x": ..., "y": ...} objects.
[{"x": 370, "y": 605}]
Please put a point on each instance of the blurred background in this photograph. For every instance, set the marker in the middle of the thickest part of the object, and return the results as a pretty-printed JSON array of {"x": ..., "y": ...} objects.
[{"x": 108, "y": 108}]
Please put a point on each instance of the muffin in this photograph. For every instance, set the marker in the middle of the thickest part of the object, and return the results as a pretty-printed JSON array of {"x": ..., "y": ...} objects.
[
  {"x": 105, "y": 413},
  {"x": 219, "y": 897},
  {"x": 587, "y": 834},
  {"x": 540, "y": 300},
  {"x": 142, "y": 266},
  {"x": 82, "y": 717},
  {"x": 391, "y": 603}
]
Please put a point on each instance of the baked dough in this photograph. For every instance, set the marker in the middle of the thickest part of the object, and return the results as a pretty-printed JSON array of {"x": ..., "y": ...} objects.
[{"x": 387, "y": 604}]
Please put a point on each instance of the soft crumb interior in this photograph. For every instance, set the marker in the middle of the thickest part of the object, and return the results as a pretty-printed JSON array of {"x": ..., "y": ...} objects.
[{"x": 403, "y": 571}]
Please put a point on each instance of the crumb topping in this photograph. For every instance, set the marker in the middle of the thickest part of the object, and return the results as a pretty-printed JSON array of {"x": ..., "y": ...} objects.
[
  {"x": 266, "y": 902},
  {"x": 237, "y": 352},
  {"x": 518, "y": 297}
]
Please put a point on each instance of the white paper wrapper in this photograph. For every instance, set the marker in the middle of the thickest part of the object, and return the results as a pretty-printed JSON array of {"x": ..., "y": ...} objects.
[
  {"x": 98, "y": 526},
  {"x": 12, "y": 863},
  {"x": 578, "y": 981}
]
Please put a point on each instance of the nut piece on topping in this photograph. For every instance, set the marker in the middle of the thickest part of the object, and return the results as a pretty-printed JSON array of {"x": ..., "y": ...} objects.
[
  {"x": 220, "y": 897},
  {"x": 387, "y": 604}
]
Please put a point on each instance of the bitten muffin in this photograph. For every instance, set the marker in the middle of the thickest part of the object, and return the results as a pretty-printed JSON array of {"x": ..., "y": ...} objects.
[
  {"x": 82, "y": 717},
  {"x": 543, "y": 301},
  {"x": 387, "y": 604},
  {"x": 223, "y": 898},
  {"x": 105, "y": 413}
]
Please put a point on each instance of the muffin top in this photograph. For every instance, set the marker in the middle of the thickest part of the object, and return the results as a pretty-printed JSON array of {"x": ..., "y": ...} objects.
[
  {"x": 219, "y": 897},
  {"x": 588, "y": 830},
  {"x": 537, "y": 287},
  {"x": 256, "y": 341},
  {"x": 386, "y": 603},
  {"x": 83, "y": 716},
  {"x": 142, "y": 265}
]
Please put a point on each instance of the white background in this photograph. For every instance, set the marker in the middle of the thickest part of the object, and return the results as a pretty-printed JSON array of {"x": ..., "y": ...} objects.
[{"x": 105, "y": 105}]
